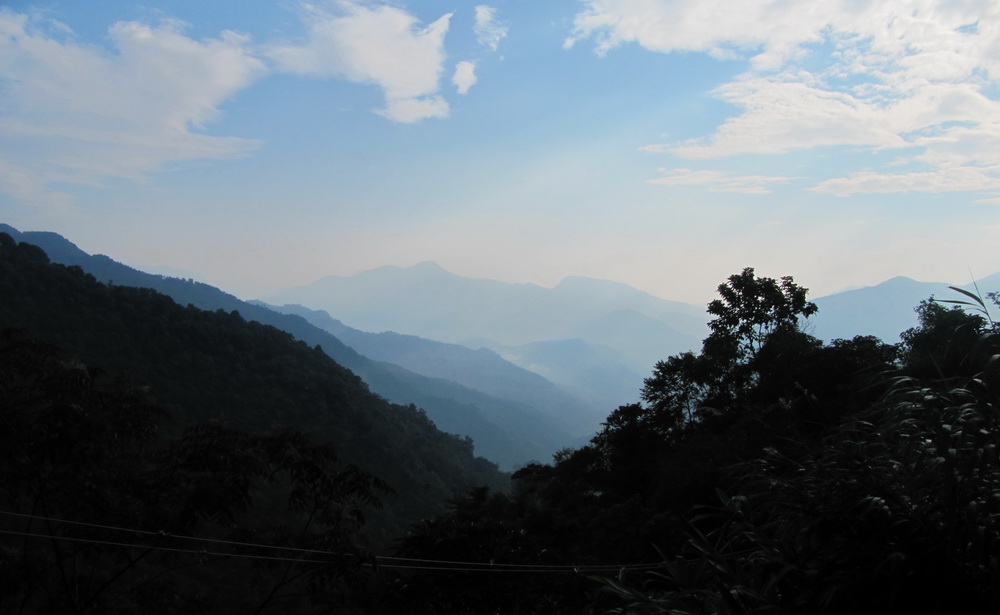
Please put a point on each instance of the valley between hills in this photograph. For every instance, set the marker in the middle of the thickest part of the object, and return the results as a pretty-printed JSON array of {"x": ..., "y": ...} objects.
[
  {"x": 410, "y": 439},
  {"x": 521, "y": 369}
]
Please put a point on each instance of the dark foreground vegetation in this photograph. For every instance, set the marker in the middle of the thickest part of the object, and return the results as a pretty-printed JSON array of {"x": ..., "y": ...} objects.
[
  {"x": 123, "y": 413},
  {"x": 218, "y": 466},
  {"x": 769, "y": 473}
]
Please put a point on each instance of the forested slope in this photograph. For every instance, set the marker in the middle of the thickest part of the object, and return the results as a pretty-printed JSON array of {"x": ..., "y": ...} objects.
[
  {"x": 505, "y": 431},
  {"x": 564, "y": 416},
  {"x": 102, "y": 510},
  {"x": 217, "y": 366}
]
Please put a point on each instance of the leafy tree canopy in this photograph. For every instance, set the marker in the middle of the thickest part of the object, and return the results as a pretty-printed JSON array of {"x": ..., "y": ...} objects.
[{"x": 750, "y": 309}]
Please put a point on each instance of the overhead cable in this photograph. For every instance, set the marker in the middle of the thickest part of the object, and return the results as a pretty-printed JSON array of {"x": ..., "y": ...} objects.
[{"x": 383, "y": 561}]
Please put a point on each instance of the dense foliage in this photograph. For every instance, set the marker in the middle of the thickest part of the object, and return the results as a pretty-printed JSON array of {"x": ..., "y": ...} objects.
[
  {"x": 769, "y": 473},
  {"x": 895, "y": 509},
  {"x": 101, "y": 512}
]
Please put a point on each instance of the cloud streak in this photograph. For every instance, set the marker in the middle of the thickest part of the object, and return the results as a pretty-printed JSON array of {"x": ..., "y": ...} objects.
[
  {"x": 488, "y": 29},
  {"x": 952, "y": 179},
  {"x": 718, "y": 181}
]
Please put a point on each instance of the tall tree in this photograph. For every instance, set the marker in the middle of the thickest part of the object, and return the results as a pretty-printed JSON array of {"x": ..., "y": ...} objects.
[
  {"x": 750, "y": 314},
  {"x": 751, "y": 309}
]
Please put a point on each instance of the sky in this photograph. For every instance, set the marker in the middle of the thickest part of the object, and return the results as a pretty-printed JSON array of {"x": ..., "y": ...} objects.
[{"x": 667, "y": 144}]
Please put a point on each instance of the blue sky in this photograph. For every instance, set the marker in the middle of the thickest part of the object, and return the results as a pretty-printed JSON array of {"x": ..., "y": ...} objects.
[{"x": 662, "y": 143}]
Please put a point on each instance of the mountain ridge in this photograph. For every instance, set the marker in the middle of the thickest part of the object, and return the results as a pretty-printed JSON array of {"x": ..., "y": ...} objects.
[
  {"x": 209, "y": 369},
  {"x": 591, "y": 347},
  {"x": 602, "y": 313},
  {"x": 504, "y": 431},
  {"x": 480, "y": 369},
  {"x": 475, "y": 312},
  {"x": 884, "y": 310}
]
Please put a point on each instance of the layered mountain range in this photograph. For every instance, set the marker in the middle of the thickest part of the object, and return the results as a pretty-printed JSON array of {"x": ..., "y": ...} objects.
[
  {"x": 504, "y": 431},
  {"x": 629, "y": 327},
  {"x": 594, "y": 338},
  {"x": 522, "y": 369},
  {"x": 95, "y": 370}
]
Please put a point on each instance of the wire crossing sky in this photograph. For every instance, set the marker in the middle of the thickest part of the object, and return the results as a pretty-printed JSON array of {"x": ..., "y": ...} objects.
[{"x": 662, "y": 143}]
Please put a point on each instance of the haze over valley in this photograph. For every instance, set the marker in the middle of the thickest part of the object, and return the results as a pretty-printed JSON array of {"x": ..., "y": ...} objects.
[
  {"x": 254, "y": 405},
  {"x": 522, "y": 369},
  {"x": 516, "y": 306}
]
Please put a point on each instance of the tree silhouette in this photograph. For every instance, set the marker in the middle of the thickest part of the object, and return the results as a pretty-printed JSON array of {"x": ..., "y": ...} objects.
[{"x": 751, "y": 309}]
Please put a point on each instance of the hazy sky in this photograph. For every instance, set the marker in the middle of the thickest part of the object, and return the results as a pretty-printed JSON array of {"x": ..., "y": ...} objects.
[{"x": 662, "y": 143}]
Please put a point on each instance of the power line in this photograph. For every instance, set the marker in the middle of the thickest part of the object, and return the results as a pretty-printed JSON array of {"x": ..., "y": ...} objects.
[
  {"x": 159, "y": 547},
  {"x": 384, "y": 561},
  {"x": 167, "y": 534},
  {"x": 216, "y": 554}
]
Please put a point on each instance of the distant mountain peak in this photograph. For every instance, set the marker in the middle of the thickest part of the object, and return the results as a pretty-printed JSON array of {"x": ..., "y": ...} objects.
[
  {"x": 423, "y": 268},
  {"x": 427, "y": 266},
  {"x": 899, "y": 279}
]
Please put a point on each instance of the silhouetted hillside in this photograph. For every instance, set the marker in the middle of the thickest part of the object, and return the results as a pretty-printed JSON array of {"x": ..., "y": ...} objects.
[
  {"x": 504, "y": 431},
  {"x": 218, "y": 366},
  {"x": 482, "y": 369}
]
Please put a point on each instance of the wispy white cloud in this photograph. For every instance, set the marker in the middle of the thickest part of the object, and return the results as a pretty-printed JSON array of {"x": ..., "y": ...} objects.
[
  {"x": 913, "y": 75},
  {"x": 718, "y": 181},
  {"x": 781, "y": 116},
  {"x": 960, "y": 157},
  {"x": 465, "y": 76},
  {"x": 375, "y": 44},
  {"x": 951, "y": 179},
  {"x": 79, "y": 113},
  {"x": 488, "y": 29}
]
